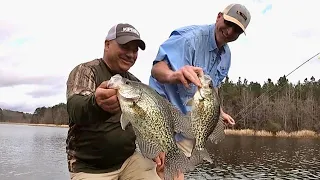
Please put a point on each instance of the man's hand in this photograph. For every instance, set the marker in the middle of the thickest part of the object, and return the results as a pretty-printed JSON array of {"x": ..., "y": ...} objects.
[
  {"x": 187, "y": 74},
  {"x": 227, "y": 118},
  {"x": 160, "y": 167},
  {"x": 107, "y": 98},
  {"x": 160, "y": 164}
]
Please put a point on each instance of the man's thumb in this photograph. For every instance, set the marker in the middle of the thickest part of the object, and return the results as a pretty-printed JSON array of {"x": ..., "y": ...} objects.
[
  {"x": 157, "y": 160},
  {"x": 104, "y": 85}
]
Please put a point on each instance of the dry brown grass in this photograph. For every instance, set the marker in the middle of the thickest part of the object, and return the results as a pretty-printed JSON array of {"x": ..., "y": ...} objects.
[
  {"x": 304, "y": 133},
  {"x": 241, "y": 132},
  {"x": 249, "y": 132},
  {"x": 263, "y": 133},
  {"x": 282, "y": 134}
]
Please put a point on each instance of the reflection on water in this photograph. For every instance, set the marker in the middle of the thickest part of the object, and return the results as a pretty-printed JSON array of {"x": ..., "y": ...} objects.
[
  {"x": 262, "y": 158},
  {"x": 32, "y": 152}
]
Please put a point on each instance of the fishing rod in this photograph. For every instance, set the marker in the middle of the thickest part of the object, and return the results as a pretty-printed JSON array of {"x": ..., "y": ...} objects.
[{"x": 246, "y": 108}]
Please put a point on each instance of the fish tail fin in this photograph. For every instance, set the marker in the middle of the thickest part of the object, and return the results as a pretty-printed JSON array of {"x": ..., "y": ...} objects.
[
  {"x": 176, "y": 161},
  {"x": 204, "y": 154},
  {"x": 218, "y": 133}
]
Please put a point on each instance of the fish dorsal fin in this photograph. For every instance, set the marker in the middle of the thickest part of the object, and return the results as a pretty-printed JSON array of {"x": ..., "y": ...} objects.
[{"x": 218, "y": 133}]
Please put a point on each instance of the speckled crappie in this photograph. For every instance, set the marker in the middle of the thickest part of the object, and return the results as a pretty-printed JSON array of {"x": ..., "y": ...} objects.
[
  {"x": 205, "y": 114},
  {"x": 154, "y": 120}
]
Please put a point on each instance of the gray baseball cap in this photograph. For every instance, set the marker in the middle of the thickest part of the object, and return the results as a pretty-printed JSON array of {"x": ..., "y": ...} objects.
[
  {"x": 124, "y": 33},
  {"x": 237, "y": 14}
]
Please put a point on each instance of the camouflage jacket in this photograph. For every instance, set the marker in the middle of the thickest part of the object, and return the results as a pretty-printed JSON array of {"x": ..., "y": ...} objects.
[{"x": 95, "y": 141}]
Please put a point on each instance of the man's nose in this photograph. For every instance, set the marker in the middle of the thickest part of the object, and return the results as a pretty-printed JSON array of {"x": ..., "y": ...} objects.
[
  {"x": 129, "y": 54},
  {"x": 231, "y": 30}
]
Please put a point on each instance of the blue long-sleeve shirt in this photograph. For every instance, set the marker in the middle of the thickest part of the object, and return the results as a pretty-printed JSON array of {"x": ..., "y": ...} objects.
[{"x": 191, "y": 45}]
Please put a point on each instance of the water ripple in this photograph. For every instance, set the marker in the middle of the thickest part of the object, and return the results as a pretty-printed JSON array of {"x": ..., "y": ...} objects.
[
  {"x": 39, "y": 153},
  {"x": 261, "y": 158}
]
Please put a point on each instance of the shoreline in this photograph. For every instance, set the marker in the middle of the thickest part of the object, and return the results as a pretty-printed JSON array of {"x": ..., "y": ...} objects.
[
  {"x": 30, "y": 124},
  {"x": 241, "y": 132}
]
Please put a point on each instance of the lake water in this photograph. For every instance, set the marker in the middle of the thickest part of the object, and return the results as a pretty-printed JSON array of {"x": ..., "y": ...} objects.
[{"x": 38, "y": 153}]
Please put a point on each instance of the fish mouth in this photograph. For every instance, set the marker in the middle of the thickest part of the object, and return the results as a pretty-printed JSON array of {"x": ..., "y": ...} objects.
[
  {"x": 115, "y": 81},
  {"x": 207, "y": 87},
  {"x": 206, "y": 79}
]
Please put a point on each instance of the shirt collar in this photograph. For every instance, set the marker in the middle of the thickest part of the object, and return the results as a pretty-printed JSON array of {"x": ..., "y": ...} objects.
[{"x": 212, "y": 40}]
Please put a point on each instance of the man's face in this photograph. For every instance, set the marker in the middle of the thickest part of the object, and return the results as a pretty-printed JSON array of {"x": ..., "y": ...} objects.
[
  {"x": 226, "y": 31},
  {"x": 121, "y": 57}
]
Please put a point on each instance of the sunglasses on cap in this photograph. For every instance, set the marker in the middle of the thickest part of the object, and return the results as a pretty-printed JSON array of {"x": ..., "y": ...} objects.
[{"x": 236, "y": 28}]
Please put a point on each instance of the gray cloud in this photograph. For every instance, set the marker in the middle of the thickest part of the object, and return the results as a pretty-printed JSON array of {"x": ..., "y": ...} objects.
[
  {"x": 48, "y": 91},
  {"x": 14, "y": 80},
  {"x": 22, "y": 107}
]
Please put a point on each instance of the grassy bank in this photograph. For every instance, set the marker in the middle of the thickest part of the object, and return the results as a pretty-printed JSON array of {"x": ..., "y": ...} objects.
[{"x": 250, "y": 132}]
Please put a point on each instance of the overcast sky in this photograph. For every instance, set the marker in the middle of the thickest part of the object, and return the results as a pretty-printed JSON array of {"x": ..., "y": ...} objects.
[{"x": 41, "y": 41}]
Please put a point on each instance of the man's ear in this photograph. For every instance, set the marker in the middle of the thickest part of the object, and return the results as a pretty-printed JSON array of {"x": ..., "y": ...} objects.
[
  {"x": 106, "y": 44},
  {"x": 220, "y": 15}
]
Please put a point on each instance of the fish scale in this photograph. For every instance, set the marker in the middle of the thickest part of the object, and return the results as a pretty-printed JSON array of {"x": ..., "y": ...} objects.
[
  {"x": 154, "y": 120},
  {"x": 205, "y": 123}
]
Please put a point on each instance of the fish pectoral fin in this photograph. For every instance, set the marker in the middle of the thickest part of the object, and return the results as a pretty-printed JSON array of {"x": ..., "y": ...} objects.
[
  {"x": 189, "y": 102},
  {"x": 148, "y": 149},
  {"x": 124, "y": 121},
  {"x": 217, "y": 134}
]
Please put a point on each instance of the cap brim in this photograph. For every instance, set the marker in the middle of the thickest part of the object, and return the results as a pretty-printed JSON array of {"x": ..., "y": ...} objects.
[
  {"x": 234, "y": 20},
  {"x": 126, "y": 39}
]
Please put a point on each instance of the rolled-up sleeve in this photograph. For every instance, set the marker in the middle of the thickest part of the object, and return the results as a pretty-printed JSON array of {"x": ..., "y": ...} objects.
[{"x": 177, "y": 51}]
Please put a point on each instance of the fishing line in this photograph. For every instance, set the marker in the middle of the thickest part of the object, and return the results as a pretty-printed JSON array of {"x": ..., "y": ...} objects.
[{"x": 246, "y": 108}]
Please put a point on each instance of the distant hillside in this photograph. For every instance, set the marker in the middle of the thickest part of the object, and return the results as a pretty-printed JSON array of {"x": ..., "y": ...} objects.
[
  {"x": 42, "y": 115},
  {"x": 14, "y": 116}
]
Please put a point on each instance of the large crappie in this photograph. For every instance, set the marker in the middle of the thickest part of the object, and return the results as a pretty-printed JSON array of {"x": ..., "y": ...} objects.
[
  {"x": 154, "y": 120},
  {"x": 205, "y": 114}
]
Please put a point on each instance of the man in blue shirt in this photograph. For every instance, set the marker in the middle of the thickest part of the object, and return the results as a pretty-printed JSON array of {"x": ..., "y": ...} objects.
[{"x": 193, "y": 50}]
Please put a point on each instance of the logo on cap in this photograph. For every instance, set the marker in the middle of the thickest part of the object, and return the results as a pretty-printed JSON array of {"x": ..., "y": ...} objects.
[
  {"x": 130, "y": 29},
  {"x": 242, "y": 15}
]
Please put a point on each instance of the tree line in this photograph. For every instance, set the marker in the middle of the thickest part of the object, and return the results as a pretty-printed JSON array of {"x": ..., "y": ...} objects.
[{"x": 271, "y": 106}]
